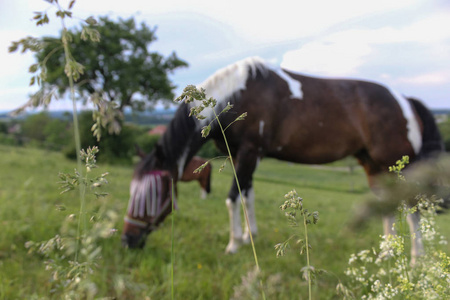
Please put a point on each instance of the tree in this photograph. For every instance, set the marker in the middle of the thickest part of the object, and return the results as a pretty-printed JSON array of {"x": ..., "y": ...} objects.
[
  {"x": 34, "y": 125},
  {"x": 120, "y": 68},
  {"x": 114, "y": 149},
  {"x": 444, "y": 127}
]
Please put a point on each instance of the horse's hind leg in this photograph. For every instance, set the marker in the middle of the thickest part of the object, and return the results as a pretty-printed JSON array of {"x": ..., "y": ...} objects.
[
  {"x": 372, "y": 170},
  {"x": 416, "y": 236},
  {"x": 388, "y": 225}
]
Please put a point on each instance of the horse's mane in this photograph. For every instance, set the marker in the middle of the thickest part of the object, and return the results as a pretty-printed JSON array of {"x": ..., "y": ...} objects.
[
  {"x": 182, "y": 138},
  {"x": 229, "y": 81}
]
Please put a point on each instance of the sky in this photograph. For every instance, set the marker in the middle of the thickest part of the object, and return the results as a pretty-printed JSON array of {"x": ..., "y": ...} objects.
[{"x": 404, "y": 44}]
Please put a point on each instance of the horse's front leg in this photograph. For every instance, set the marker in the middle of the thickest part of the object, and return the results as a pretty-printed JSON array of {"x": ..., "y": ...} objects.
[
  {"x": 245, "y": 166},
  {"x": 250, "y": 227}
]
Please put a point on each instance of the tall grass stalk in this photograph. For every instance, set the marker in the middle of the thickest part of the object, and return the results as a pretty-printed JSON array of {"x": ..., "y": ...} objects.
[
  {"x": 191, "y": 93},
  {"x": 244, "y": 208},
  {"x": 70, "y": 276},
  {"x": 293, "y": 205},
  {"x": 308, "y": 265},
  {"x": 82, "y": 187}
]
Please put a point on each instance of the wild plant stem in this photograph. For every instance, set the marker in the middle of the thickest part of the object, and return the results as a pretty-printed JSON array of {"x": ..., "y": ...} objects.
[
  {"x": 307, "y": 257},
  {"x": 82, "y": 186},
  {"x": 242, "y": 202}
]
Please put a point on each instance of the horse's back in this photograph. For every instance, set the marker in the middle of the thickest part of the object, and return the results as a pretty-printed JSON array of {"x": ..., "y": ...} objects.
[{"x": 334, "y": 119}]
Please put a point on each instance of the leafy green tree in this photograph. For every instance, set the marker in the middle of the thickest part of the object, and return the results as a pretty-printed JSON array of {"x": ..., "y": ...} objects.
[
  {"x": 3, "y": 127},
  {"x": 57, "y": 134},
  {"x": 115, "y": 148},
  {"x": 444, "y": 128},
  {"x": 34, "y": 125},
  {"x": 119, "y": 68}
]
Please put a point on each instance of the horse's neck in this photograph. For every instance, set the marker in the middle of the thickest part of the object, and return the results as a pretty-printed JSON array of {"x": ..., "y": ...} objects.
[{"x": 181, "y": 140}]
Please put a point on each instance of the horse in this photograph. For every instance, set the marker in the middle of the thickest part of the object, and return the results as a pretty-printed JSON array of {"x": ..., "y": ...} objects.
[
  {"x": 295, "y": 118},
  {"x": 189, "y": 174}
]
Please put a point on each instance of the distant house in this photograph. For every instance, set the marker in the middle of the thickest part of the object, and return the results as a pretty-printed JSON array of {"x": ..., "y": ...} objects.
[{"x": 158, "y": 130}]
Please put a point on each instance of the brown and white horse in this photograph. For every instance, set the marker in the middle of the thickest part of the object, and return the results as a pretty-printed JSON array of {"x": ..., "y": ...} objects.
[{"x": 294, "y": 118}]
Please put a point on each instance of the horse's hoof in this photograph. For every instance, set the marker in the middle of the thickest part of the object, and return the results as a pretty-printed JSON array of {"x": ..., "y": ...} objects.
[
  {"x": 232, "y": 248},
  {"x": 246, "y": 238}
]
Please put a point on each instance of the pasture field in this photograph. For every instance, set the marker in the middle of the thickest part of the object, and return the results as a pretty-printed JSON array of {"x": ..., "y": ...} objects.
[{"x": 29, "y": 198}]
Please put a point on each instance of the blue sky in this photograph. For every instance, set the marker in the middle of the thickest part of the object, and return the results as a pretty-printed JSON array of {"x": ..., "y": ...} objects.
[{"x": 404, "y": 43}]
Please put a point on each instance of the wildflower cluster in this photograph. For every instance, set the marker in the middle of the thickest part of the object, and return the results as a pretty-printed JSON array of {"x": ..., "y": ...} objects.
[
  {"x": 293, "y": 206},
  {"x": 71, "y": 181},
  {"x": 386, "y": 273},
  {"x": 192, "y": 94},
  {"x": 399, "y": 166},
  {"x": 72, "y": 277}
]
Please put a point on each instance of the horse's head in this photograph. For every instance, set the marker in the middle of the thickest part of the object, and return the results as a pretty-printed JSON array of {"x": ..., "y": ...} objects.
[{"x": 150, "y": 202}]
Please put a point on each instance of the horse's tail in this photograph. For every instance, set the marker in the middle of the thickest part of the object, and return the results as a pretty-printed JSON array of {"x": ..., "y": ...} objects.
[
  {"x": 432, "y": 143},
  {"x": 432, "y": 147}
]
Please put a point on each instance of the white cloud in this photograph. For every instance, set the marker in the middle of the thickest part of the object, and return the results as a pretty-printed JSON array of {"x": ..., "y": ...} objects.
[
  {"x": 260, "y": 22},
  {"x": 433, "y": 78},
  {"x": 344, "y": 53},
  {"x": 14, "y": 65},
  {"x": 336, "y": 58}
]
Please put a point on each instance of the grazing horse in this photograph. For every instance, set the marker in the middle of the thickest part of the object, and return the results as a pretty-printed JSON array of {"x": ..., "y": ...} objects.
[{"x": 294, "y": 118}]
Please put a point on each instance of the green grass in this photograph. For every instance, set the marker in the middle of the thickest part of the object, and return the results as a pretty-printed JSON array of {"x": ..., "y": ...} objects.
[{"x": 29, "y": 196}]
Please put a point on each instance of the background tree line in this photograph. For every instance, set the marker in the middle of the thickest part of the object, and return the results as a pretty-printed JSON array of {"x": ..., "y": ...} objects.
[{"x": 56, "y": 134}]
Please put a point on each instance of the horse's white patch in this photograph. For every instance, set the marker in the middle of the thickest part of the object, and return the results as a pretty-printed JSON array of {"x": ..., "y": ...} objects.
[
  {"x": 414, "y": 134},
  {"x": 261, "y": 127},
  {"x": 203, "y": 194},
  {"x": 181, "y": 162},
  {"x": 279, "y": 148},
  {"x": 258, "y": 161},
  {"x": 294, "y": 85},
  {"x": 235, "y": 225}
]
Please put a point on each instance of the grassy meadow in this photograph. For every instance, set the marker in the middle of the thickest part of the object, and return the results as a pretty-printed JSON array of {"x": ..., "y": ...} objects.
[{"x": 32, "y": 209}]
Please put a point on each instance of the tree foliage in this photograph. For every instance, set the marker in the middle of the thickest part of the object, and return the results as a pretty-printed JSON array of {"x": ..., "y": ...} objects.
[
  {"x": 44, "y": 131},
  {"x": 120, "y": 68},
  {"x": 444, "y": 127}
]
